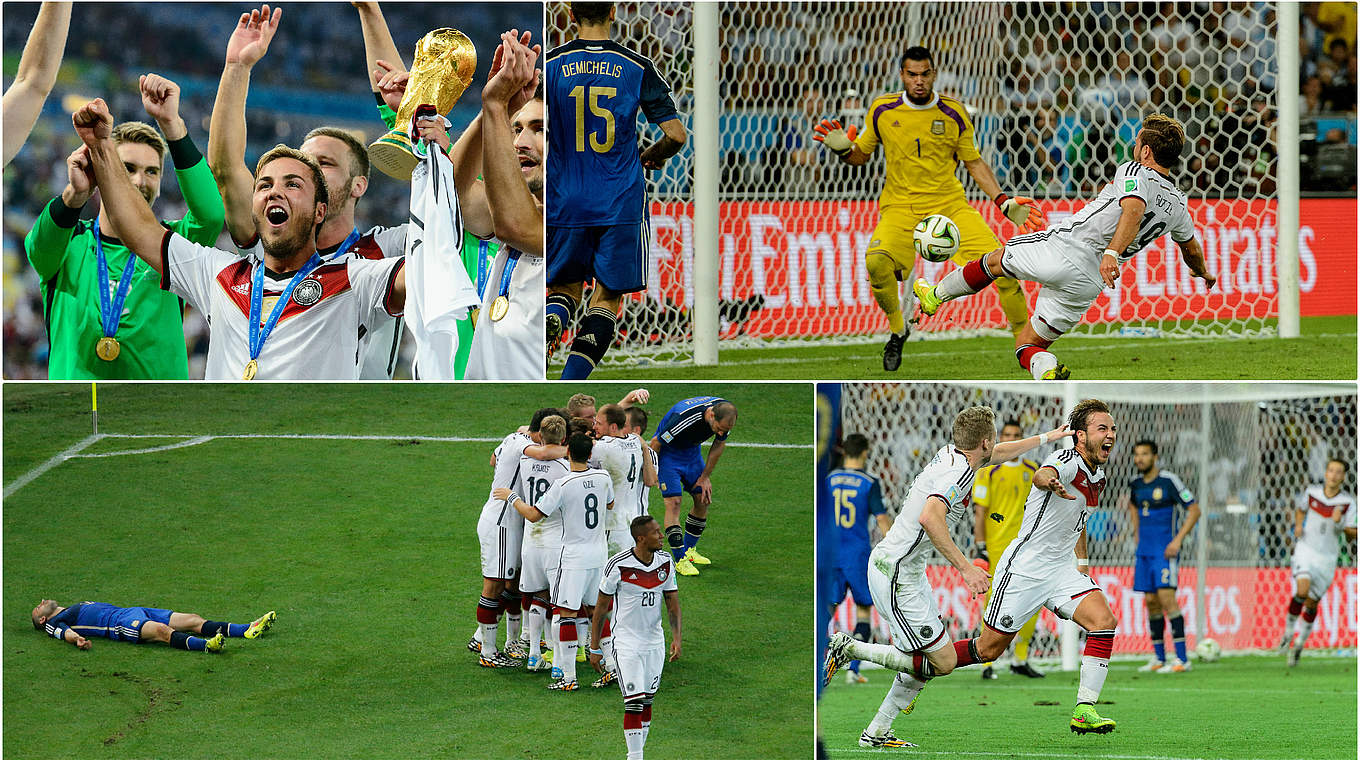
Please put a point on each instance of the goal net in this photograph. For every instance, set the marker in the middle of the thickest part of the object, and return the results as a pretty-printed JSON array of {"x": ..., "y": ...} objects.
[
  {"x": 1056, "y": 92},
  {"x": 1246, "y": 451}
]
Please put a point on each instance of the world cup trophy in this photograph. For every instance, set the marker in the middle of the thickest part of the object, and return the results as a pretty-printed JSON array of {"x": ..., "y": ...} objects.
[{"x": 445, "y": 63}]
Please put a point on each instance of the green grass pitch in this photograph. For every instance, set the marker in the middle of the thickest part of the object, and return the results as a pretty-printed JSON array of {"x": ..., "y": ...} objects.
[
  {"x": 368, "y": 550},
  {"x": 1239, "y": 708},
  {"x": 1325, "y": 350}
]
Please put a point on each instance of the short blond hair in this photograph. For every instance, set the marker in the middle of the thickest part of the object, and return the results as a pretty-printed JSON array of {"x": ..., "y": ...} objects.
[
  {"x": 974, "y": 425},
  {"x": 578, "y": 402},
  {"x": 553, "y": 430},
  {"x": 140, "y": 132}
]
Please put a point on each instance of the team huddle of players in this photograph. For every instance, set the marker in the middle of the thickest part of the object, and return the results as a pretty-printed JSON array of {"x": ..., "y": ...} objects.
[
  {"x": 571, "y": 558},
  {"x": 1033, "y": 518},
  {"x": 303, "y": 295}
]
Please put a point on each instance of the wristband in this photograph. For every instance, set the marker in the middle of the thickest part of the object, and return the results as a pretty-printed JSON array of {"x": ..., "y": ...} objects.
[
  {"x": 600, "y": 652},
  {"x": 1043, "y": 438},
  {"x": 1000, "y": 200},
  {"x": 1086, "y": 563},
  {"x": 1109, "y": 252}
]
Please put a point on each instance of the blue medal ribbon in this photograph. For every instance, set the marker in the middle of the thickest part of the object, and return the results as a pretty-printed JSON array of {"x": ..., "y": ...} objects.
[
  {"x": 259, "y": 334},
  {"x": 509, "y": 270},
  {"x": 111, "y": 309},
  {"x": 483, "y": 266},
  {"x": 346, "y": 245}
]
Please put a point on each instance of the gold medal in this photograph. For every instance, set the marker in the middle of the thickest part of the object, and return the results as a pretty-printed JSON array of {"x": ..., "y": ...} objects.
[
  {"x": 107, "y": 348},
  {"x": 252, "y": 367},
  {"x": 499, "y": 308},
  {"x": 473, "y": 315}
]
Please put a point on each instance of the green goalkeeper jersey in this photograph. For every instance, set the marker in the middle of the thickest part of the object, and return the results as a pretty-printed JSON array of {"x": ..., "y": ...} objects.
[{"x": 61, "y": 247}]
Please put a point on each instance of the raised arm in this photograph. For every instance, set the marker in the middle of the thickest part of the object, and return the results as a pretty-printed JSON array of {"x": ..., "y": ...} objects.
[
  {"x": 1008, "y": 450},
  {"x": 227, "y": 128},
  {"x": 516, "y": 215},
  {"x": 37, "y": 74},
  {"x": 840, "y": 140},
  {"x": 160, "y": 97},
  {"x": 378, "y": 43},
  {"x": 125, "y": 205},
  {"x": 1193, "y": 256},
  {"x": 934, "y": 520}
]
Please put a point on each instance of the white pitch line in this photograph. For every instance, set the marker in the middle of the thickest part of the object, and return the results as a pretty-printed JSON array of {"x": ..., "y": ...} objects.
[
  {"x": 1085, "y": 754},
  {"x": 181, "y": 445},
  {"x": 422, "y": 438},
  {"x": 57, "y": 459}
]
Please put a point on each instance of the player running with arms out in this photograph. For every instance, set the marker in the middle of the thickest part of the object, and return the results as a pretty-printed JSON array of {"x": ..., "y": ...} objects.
[
  {"x": 584, "y": 496},
  {"x": 938, "y": 499},
  {"x": 500, "y": 532},
  {"x": 633, "y": 581},
  {"x": 1154, "y": 497},
  {"x": 107, "y": 317},
  {"x": 999, "y": 492},
  {"x": 857, "y": 496},
  {"x": 1036, "y": 570},
  {"x": 328, "y": 306},
  {"x": 682, "y": 469},
  {"x": 1324, "y": 512},
  {"x": 75, "y": 624},
  {"x": 1075, "y": 259},
  {"x": 925, "y": 135},
  {"x": 597, "y": 205}
]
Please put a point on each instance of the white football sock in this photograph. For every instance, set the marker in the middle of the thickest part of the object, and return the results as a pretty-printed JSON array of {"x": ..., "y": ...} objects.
[
  {"x": 953, "y": 285},
  {"x": 1093, "y": 672},
  {"x": 904, "y": 689},
  {"x": 1041, "y": 363},
  {"x": 512, "y": 627},
  {"x": 886, "y": 655},
  {"x": 488, "y": 631},
  {"x": 534, "y": 628},
  {"x": 1305, "y": 628}
]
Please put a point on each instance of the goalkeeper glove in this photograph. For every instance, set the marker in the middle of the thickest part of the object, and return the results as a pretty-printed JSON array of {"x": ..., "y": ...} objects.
[
  {"x": 833, "y": 136},
  {"x": 1022, "y": 212}
]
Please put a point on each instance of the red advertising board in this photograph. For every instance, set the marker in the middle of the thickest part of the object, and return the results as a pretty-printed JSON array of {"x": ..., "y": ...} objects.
[
  {"x": 1244, "y": 607},
  {"x": 804, "y": 260}
]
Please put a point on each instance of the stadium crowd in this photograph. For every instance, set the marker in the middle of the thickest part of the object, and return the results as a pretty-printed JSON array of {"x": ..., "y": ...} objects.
[{"x": 317, "y": 77}]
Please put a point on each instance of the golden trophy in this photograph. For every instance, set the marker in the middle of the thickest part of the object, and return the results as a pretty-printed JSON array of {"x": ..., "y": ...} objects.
[{"x": 444, "y": 65}]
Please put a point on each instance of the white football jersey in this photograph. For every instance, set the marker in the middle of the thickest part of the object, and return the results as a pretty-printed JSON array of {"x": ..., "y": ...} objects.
[
  {"x": 383, "y": 342},
  {"x": 508, "y": 454},
  {"x": 318, "y": 337},
  {"x": 511, "y": 348},
  {"x": 621, "y": 457},
  {"x": 637, "y": 588},
  {"x": 948, "y": 476},
  {"x": 535, "y": 478},
  {"x": 1084, "y": 236},
  {"x": 1320, "y": 530},
  {"x": 584, "y": 499},
  {"x": 1051, "y": 525}
]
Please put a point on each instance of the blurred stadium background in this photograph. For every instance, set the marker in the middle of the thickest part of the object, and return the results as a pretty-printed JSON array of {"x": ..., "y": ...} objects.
[{"x": 314, "y": 74}]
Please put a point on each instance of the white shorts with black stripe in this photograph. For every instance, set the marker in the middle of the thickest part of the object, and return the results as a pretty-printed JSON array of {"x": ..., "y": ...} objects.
[
  {"x": 538, "y": 571},
  {"x": 903, "y": 595},
  {"x": 1319, "y": 570},
  {"x": 1015, "y": 597},
  {"x": 500, "y": 548},
  {"x": 638, "y": 670},
  {"x": 577, "y": 588},
  {"x": 1068, "y": 290}
]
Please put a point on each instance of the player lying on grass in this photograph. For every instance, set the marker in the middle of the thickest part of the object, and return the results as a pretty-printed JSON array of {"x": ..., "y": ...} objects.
[
  {"x": 938, "y": 499},
  {"x": 137, "y": 624},
  {"x": 1074, "y": 259},
  {"x": 632, "y": 581}
]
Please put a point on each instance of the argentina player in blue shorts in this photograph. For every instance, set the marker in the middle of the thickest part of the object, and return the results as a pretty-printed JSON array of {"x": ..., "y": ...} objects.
[
  {"x": 77, "y": 623},
  {"x": 855, "y": 495},
  {"x": 681, "y": 468},
  {"x": 597, "y": 215},
  {"x": 1153, "y": 499}
]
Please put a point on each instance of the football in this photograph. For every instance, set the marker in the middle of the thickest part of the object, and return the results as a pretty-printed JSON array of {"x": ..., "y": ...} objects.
[
  {"x": 936, "y": 238},
  {"x": 1207, "y": 650}
]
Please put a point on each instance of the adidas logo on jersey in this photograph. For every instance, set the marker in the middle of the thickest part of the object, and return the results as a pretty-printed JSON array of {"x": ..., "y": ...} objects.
[{"x": 242, "y": 288}]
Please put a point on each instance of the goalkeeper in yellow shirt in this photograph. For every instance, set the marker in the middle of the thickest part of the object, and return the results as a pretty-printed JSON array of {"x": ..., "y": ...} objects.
[
  {"x": 924, "y": 136},
  {"x": 999, "y": 493}
]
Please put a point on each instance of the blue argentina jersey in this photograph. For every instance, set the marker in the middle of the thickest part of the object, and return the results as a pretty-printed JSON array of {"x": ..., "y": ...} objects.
[
  {"x": 97, "y": 619},
  {"x": 1156, "y": 502},
  {"x": 595, "y": 89},
  {"x": 684, "y": 426},
  {"x": 855, "y": 495}
]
